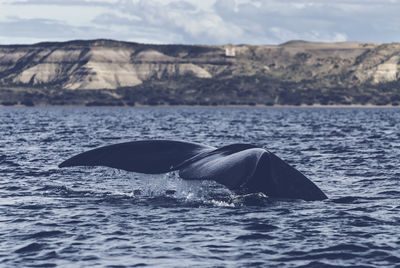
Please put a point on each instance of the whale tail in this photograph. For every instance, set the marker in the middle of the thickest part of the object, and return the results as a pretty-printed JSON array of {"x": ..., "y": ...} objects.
[
  {"x": 247, "y": 169},
  {"x": 276, "y": 178},
  {"x": 239, "y": 167},
  {"x": 148, "y": 156}
]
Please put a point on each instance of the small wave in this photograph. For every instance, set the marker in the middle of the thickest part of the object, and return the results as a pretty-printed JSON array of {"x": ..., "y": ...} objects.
[
  {"x": 254, "y": 236},
  {"x": 9, "y": 163},
  {"x": 32, "y": 207},
  {"x": 32, "y": 247},
  {"x": 364, "y": 221},
  {"x": 261, "y": 227},
  {"x": 343, "y": 247},
  {"x": 116, "y": 238},
  {"x": 342, "y": 252},
  {"x": 44, "y": 265},
  {"x": 318, "y": 256},
  {"x": 137, "y": 265},
  {"x": 13, "y": 188},
  {"x": 48, "y": 140},
  {"x": 393, "y": 192},
  {"x": 51, "y": 190},
  {"x": 45, "y": 234},
  {"x": 110, "y": 138},
  {"x": 320, "y": 264},
  {"x": 346, "y": 200},
  {"x": 254, "y": 199}
]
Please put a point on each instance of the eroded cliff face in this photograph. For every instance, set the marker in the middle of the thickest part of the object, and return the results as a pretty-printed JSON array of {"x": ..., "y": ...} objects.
[
  {"x": 345, "y": 64},
  {"x": 106, "y": 64},
  {"x": 93, "y": 67},
  {"x": 269, "y": 72},
  {"x": 89, "y": 65}
]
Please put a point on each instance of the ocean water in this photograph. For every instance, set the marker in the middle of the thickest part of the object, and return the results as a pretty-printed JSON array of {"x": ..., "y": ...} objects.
[{"x": 102, "y": 217}]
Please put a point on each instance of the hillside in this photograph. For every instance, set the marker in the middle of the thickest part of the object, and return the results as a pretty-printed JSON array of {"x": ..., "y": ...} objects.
[{"x": 106, "y": 72}]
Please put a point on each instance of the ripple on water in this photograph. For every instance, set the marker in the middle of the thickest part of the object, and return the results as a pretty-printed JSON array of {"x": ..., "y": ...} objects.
[
  {"x": 32, "y": 247},
  {"x": 84, "y": 217}
]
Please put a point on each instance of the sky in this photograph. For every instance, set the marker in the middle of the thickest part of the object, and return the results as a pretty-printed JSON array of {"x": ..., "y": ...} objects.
[{"x": 208, "y": 22}]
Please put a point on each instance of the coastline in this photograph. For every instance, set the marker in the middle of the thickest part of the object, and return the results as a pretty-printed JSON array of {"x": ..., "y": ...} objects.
[{"x": 298, "y": 74}]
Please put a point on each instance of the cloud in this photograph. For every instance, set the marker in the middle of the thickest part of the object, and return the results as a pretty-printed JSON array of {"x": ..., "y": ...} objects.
[
  {"x": 64, "y": 2},
  {"x": 266, "y": 21},
  {"x": 38, "y": 28},
  {"x": 47, "y": 30},
  {"x": 177, "y": 21},
  {"x": 339, "y": 20},
  {"x": 284, "y": 34},
  {"x": 113, "y": 19},
  {"x": 203, "y": 22}
]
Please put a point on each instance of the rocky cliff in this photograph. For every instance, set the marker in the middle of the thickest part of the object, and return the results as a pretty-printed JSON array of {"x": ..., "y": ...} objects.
[{"x": 120, "y": 73}]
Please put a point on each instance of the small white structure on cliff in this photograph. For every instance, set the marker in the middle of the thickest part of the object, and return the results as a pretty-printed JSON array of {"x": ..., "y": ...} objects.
[{"x": 230, "y": 51}]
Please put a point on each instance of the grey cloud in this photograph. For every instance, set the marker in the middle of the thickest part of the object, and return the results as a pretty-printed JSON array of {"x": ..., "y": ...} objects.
[
  {"x": 135, "y": 29},
  {"x": 262, "y": 22},
  {"x": 270, "y": 21},
  {"x": 315, "y": 20},
  {"x": 182, "y": 21},
  {"x": 35, "y": 27},
  {"x": 44, "y": 29},
  {"x": 227, "y": 21},
  {"x": 181, "y": 5},
  {"x": 112, "y": 19},
  {"x": 62, "y": 3}
]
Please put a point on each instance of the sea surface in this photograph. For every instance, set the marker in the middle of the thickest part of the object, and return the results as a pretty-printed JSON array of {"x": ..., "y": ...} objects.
[{"x": 102, "y": 217}]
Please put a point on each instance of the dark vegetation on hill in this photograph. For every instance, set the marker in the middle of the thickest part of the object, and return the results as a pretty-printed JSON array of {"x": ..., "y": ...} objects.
[{"x": 104, "y": 72}]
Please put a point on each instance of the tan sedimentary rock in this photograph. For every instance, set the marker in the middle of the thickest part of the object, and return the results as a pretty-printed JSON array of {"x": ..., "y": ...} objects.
[{"x": 104, "y": 64}]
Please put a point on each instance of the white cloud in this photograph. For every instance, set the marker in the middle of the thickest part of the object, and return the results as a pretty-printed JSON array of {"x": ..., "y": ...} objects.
[
  {"x": 71, "y": 15},
  {"x": 187, "y": 22},
  {"x": 313, "y": 20},
  {"x": 202, "y": 22},
  {"x": 63, "y": 2}
]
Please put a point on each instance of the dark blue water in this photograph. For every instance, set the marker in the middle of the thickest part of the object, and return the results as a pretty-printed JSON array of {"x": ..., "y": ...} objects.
[{"x": 100, "y": 217}]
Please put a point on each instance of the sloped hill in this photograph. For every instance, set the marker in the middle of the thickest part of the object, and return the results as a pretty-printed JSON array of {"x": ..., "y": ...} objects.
[{"x": 106, "y": 71}]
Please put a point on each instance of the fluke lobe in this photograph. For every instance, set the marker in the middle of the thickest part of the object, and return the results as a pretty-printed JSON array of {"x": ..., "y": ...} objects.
[{"x": 243, "y": 168}]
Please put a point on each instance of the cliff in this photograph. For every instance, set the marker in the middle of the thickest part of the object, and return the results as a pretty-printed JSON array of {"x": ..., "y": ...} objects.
[{"x": 109, "y": 72}]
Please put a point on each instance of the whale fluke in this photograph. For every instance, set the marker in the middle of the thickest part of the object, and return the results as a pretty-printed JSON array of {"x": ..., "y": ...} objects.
[
  {"x": 147, "y": 156},
  {"x": 243, "y": 168}
]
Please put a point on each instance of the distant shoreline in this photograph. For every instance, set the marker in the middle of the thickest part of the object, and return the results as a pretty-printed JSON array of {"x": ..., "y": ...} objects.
[{"x": 112, "y": 73}]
